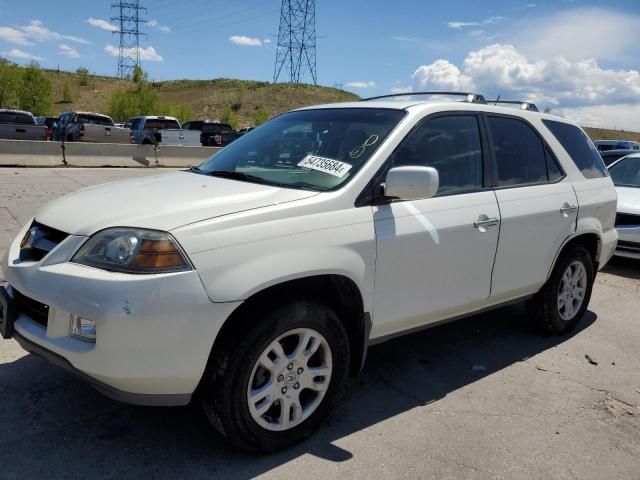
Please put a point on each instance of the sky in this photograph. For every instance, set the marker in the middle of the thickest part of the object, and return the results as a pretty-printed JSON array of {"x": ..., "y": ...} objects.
[{"x": 579, "y": 58}]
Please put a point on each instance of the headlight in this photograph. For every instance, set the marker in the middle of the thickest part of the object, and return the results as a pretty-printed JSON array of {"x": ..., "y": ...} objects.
[{"x": 132, "y": 250}]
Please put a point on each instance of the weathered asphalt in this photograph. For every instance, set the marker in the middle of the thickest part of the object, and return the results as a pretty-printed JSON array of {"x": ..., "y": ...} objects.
[{"x": 485, "y": 397}]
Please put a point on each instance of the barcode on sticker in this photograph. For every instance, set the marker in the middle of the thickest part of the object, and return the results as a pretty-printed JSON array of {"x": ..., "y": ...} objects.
[{"x": 326, "y": 165}]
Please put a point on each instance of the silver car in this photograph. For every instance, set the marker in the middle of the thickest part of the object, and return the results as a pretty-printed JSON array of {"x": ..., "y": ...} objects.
[{"x": 625, "y": 174}]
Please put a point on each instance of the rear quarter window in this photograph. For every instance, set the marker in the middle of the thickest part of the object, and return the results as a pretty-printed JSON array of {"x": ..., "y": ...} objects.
[{"x": 579, "y": 147}]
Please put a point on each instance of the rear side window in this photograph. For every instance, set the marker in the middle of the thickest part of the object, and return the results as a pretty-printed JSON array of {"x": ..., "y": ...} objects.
[
  {"x": 579, "y": 148},
  {"x": 520, "y": 155}
]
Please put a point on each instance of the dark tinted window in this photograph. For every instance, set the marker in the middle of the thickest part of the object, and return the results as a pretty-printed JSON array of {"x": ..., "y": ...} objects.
[
  {"x": 579, "y": 148},
  {"x": 216, "y": 127},
  {"x": 161, "y": 124},
  {"x": 94, "y": 119},
  {"x": 520, "y": 154},
  {"x": 626, "y": 173},
  {"x": 16, "y": 118},
  {"x": 452, "y": 146},
  {"x": 553, "y": 169}
]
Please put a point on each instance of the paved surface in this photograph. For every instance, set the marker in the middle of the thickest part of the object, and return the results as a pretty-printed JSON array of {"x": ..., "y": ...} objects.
[{"x": 485, "y": 397}]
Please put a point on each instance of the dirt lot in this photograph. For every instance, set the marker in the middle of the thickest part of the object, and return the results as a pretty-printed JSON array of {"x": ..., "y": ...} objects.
[{"x": 486, "y": 397}]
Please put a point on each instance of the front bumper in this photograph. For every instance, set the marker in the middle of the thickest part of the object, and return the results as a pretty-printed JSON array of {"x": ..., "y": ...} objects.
[
  {"x": 628, "y": 241},
  {"x": 154, "y": 333}
]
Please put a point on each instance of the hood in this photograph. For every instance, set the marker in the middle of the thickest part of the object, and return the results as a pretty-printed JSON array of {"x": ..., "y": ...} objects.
[
  {"x": 628, "y": 200},
  {"x": 161, "y": 202}
]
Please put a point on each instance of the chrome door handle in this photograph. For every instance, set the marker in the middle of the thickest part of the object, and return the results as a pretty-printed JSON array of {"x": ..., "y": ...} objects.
[
  {"x": 566, "y": 208},
  {"x": 484, "y": 221}
]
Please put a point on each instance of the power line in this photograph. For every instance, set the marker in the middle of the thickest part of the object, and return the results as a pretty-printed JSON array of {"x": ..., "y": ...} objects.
[
  {"x": 129, "y": 30},
  {"x": 296, "y": 48}
]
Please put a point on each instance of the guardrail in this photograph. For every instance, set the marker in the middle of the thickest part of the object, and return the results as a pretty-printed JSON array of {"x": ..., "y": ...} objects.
[{"x": 31, "y": 153}]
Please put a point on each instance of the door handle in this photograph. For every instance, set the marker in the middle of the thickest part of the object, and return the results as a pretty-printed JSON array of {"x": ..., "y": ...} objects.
[
  {"x": 566, "y": 208},
  {"x": 484, "y": 221}
]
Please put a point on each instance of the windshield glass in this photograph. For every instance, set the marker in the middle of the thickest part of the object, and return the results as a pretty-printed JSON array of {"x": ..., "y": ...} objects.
[
  {"x": 626, "y": 173},
  {"x": 310, "y": 149},
  {"x": 94, "y": 119}
]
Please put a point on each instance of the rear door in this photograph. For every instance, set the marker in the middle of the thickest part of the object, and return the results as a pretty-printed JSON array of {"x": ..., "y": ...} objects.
[
  {"x": 434, "y": 256},
  {"x": 538, "y": 206}
]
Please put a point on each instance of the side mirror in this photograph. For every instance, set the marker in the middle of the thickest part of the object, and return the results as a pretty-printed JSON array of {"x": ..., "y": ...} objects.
[{"x": 411, "y": 182}]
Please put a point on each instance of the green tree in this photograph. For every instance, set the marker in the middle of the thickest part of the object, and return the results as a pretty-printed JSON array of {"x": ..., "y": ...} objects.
[
  {"x": 260, "y": 115},
  {"x": 84, "y": 75},
  {"x": 9, "y": 83},
  {"x": 66, "y": 93},
  {"x": 34, "y": 93},
  {"x": 231, "y": 118}
]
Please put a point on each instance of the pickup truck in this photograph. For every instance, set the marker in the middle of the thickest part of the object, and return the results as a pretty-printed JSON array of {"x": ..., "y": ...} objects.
[
  {"x": 213, "y": 133},
  {"x": 20, "y": 125},
  {"x": 89, "y": 127},
  {"x": 148, "y": 130}
]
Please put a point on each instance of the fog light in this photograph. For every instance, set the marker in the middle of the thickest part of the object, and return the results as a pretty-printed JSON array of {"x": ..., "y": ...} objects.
[{"x": 83, "y": 328}]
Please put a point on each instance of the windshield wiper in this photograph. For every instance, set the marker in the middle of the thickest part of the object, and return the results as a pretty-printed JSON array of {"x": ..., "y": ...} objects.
[{"x": 235, "y": 175}]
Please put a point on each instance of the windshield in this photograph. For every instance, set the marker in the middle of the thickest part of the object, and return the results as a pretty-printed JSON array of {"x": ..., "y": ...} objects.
[
  {"x": 626, "y": 173},
  {"x": 162, "y": 124},
  {"x": 17, "y": 118},
  {"x": 310, "y": 149},
  {"x": 94, "y": 119}
]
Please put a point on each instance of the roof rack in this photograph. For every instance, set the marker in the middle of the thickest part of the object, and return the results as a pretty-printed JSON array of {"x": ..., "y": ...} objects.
[
  {"x": 469, "y": 97},
  {"x": 531, "y": 107}
]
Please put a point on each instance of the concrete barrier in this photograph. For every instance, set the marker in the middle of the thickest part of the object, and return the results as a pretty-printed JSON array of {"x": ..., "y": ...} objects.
[
  {"x": 170, "y": 156},
  {"x": 80, "y": 154},
  {"x": 30, "y": 153}
]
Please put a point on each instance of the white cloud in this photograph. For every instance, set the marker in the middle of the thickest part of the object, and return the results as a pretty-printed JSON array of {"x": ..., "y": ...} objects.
[
  {"x": 488, "y": 21},
  {"x": 148, "y": 54},
  {"x": 154, "y": 24},
  {"x": 582, "y": 87},
  {"x": 400, "y": 38},
  {"x": 623, "y": 116},
  {"x": 15, "y": 53},
  {"x": 406, "y": 89},
  {"x": 583, "y": 33},
  {"x": 38, "y": 32},
  {"x": 68, "y": 51},
  {"x": 266, "y": 41},
  {"x": 531, "y": 5},
  {"x": 360, "y": 84},
  {"x": 12, "y": 35},
  {"x": 103, "y": 24},
  {"x": 441, "y": 75},
  {"x": 245, "y": 41}
]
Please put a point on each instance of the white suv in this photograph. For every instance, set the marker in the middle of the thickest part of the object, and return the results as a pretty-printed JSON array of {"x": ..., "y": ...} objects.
[{"x": 259, "y": 279}]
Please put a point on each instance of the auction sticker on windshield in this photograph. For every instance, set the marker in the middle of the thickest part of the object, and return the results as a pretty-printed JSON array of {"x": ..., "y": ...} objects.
[{"x": 326, "y": 165}]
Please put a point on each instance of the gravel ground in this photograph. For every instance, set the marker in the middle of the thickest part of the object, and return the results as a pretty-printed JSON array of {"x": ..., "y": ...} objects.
[{"x": 485, "y": 397}]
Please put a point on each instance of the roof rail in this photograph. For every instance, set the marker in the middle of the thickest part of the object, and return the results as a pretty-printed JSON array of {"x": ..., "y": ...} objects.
[
  {"x": 531, "y": 107},
  {"x": 469, "y": 97}
]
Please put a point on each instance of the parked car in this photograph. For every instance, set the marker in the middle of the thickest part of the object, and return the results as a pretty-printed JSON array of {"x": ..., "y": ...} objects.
[
  {"x": 625, "y": 174},
  {"x": 89, "y": 127},
  {"x": 244, "y": 130},
  {"x": 213, "y": 133},
  {"x": 146, "y": 130},
  {"x": 50, "y": 123},
  {"x": 260, "y": 277},
  {"x": 20, "y": 125},
  {"x": 610, "y": 156},
  {"x": 605, "y": 145}
]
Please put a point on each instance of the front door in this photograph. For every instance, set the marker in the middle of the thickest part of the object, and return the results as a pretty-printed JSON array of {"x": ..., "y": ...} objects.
[{"x": 435, "y": 256}]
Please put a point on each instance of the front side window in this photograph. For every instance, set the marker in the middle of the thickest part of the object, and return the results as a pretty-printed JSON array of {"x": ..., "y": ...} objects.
[
  {"x": 626, "y": 173},
  {"x": 579, "y": 148},
  {"x": 520, "y": 154},
  {"x": 309, "y": 149},
  {"x": 450, "y": 144}
]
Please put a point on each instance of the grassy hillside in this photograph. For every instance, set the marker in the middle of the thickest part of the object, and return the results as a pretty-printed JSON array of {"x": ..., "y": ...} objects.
[{"x": 208, "y": 98}]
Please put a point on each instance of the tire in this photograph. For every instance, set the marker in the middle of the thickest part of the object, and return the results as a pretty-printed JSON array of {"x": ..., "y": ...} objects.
[
  {"x": 237, "y": 371},
  {"x": 558, "y": 306}
]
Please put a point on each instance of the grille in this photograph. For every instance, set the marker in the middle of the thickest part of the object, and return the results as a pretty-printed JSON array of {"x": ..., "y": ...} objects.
[
  {"x": 627, "y": 219},
  {"x": 38, "y": 241},
  {"x": 37, "y": 311}
]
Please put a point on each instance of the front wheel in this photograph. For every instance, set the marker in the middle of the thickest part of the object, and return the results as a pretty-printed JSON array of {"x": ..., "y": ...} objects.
[
  {"x": 274, "y": 386},
  {"x": 562, "y": 301}
]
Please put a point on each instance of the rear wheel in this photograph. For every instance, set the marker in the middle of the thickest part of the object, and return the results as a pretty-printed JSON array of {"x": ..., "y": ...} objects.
[
  {"x": 561, "y": 303},
  {"x": 274, "y": 385}
]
